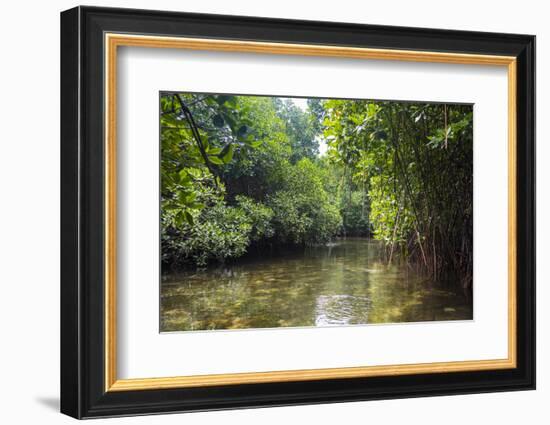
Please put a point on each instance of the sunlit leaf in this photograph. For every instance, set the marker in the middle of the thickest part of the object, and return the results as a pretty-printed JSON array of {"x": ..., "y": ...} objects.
[
  {"x": 255, "y": 144},
  {"x": 215, "y": 160}
]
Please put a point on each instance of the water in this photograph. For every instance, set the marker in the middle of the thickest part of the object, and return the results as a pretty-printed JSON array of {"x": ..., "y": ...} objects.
[{"x": 344, "y": 283}]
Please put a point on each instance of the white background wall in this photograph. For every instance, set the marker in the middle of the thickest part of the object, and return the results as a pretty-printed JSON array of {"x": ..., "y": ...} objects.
[{"x": 29, "y": 213}]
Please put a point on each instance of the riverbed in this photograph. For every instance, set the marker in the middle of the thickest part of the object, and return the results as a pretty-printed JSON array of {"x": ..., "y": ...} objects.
[{"x": 346, "y": 282}]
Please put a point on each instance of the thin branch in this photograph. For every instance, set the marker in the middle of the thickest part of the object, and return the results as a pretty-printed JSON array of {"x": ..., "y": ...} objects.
[{"x": 197, "y": 136}]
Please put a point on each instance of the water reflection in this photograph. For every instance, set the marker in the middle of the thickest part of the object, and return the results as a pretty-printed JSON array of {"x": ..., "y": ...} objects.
[
  {"x": 341, "y": 310},
  {"x": 345, "y": 283}
]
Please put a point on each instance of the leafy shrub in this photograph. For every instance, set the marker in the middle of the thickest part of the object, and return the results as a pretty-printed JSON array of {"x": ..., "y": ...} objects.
[
  {"x": 259, "y": 217},
  {"x": 218, "y": 233},
  {"x": 303, "y": 213}
]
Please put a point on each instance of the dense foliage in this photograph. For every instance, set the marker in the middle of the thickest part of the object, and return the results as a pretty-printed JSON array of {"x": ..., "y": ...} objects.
[
  {"x": 412, "y": 164},
  {"x": 243, "y": 173}
]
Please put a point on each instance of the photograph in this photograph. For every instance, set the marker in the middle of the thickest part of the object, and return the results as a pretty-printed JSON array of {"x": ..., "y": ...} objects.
[
  {"x": 282, "y": 211},
  {"x": 297, "y": 212},
  {"x": 285, "y": 210}
]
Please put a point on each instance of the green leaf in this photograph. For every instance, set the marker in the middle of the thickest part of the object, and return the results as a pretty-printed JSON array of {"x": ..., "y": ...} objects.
[
  {"x": 227, "y": 153},
  {"x": 214, "y": 151},
  {"x": 184, "y": 177},
  {"x": 189, "y": 218},
  {"x": 196, "y": 205},
  {"x": 205, "y": 141},
  {"x": 215, "y": 160},
  {"x": 186, "y": 196},
  {"x": 255, "y": 144},
  {"x": 178, "y": 219}
]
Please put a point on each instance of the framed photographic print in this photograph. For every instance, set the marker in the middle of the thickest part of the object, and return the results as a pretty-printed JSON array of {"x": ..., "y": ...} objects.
[{"x": 261, "y": 212}]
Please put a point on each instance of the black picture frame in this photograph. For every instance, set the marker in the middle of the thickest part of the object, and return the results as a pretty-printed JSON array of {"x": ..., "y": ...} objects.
[{"x": 83, "y": 392}]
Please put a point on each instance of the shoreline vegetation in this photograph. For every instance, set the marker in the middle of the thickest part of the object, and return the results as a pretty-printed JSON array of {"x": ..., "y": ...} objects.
[{"x": 242, "y": 175}]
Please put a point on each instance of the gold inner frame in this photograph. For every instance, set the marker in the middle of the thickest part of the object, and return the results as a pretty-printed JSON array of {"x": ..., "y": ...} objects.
[{"x": 113, "y": 41}]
